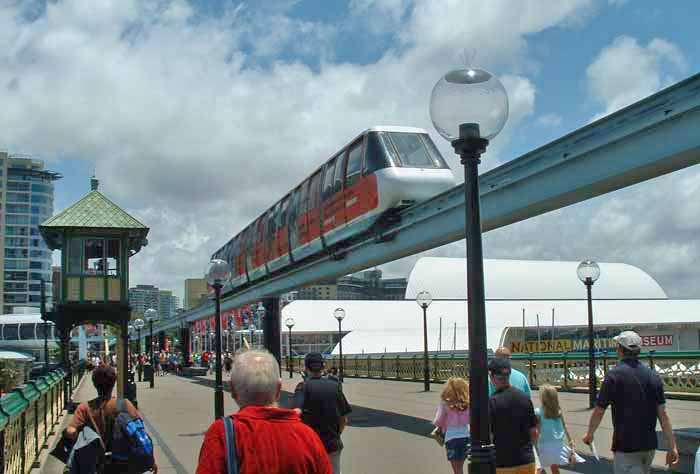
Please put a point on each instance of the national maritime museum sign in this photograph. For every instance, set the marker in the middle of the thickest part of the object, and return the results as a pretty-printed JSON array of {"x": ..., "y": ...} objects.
[{"x": 580, "y": 344}]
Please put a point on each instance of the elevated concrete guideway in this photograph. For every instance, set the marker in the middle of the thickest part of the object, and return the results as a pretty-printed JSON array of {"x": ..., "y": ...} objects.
[
  {"x": 387, "y": 433},
  {"x": 653, "y": 137}
]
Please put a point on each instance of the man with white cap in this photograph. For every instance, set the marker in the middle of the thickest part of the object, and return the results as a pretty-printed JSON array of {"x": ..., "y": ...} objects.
[{"x": 636, "y": 394}]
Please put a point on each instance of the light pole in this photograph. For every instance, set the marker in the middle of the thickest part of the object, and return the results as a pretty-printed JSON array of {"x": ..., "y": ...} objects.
[
  {"x": 252, "y": 328},
  {"x": 469, "y": 107},
  {"x": 289, "y": 322},
  {"x": 588, "y": 272},
  {"x": 138, "y": 324},
  {"x": 339, "y": 314},
  {"x": 44, "y": 317},
  {"x": 424, "y": 299},
  {"x": 129, "y": 350},
  {"x": 218, "y": 274},
  {"x": 151, "y": 317}
]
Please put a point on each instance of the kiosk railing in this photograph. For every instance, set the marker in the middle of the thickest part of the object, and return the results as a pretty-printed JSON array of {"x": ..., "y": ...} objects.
[
  {"x": 28, "y": 416},
  {"x": 680, "y": 371}
]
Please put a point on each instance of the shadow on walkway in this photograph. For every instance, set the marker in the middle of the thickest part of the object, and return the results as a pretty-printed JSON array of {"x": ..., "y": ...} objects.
[
  {"x": 361, "y": 417},
  {"x": 604, "y": 466}
]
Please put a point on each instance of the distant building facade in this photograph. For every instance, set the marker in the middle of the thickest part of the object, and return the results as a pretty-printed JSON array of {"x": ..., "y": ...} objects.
[
  {"x": 367, "y": 285},
  {"x": 167, "y": 304},
  {"x": 143, "y": 297},
  {"x": 195, "y": 292},
  {"x": 28, "y": 201}
]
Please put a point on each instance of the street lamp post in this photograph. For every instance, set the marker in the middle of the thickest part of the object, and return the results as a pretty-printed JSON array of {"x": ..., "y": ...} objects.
[
  {"x": 138, "y": 324},
  {"x": 588, "y": 272},
  {"x": 252, "y": 328},
  {"x": 218, "y": 274},
  {"x": 129, "y": 350},
  {"x": 152, "y": 316},
  {"x": 289, "y": 322},
  {"x": 424, "y": 299},
  {"x": 339, "y": 314},
  {"x": 44, "y": 317},
  {"x": 469, "y": 107}
]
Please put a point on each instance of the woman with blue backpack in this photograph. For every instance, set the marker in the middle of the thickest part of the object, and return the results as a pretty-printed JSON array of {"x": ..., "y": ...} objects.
[{"x": 109, "y": 434}]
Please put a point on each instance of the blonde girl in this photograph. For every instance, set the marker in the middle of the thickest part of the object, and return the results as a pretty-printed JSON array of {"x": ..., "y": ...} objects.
[
  {"x": 550, "y": 445},
  {"x": 452, "y": 418}
]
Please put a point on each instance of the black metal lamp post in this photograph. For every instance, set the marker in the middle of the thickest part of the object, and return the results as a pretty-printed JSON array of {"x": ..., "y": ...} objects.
[
  {"x": 289, "y": 322},
  {"x": 424, "y": 299},
  {"x": 152, "y": 316},
  {"x": 469, "y": 107},
  {"x": 588, "y": 272},
  {"x": 218, "y": 274},
  {"x": 339, "y": 314},
  {"x": 129, "y": 350}
]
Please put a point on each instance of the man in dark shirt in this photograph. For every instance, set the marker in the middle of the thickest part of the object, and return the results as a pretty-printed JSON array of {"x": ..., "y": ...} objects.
[
  {"x": 636, "y": 394},
  {"x": 513, "y": 422},
  {"x": 323, "y": 407}
]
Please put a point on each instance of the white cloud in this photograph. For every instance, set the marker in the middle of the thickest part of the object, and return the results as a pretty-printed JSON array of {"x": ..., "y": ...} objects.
[
  {"x": 626, "y": 71},
  {"x": 197, "y": 124},
  {"x": 549, "y": 120}
]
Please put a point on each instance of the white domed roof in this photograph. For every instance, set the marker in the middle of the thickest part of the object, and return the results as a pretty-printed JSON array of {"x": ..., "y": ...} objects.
[{"x": 445, "y": 278}]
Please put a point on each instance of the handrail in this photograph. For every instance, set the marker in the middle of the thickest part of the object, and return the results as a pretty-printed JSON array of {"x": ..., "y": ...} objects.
[
  {"x": 28, "y": 415},
  {"x": 679, "y": 371}
]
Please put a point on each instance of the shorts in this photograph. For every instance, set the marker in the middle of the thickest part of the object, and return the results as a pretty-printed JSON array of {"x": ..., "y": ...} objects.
[
  {"x": 522, "y": 469},
  {"x": 633, "y": 463},
  {"x": 457, "y": 449}
]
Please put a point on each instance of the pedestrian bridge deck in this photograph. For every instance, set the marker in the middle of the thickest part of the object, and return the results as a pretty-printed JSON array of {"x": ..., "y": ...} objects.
[{"x": 387, "y": 432}]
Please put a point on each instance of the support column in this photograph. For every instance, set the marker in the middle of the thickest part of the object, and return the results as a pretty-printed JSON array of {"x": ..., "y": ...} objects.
[
  {"x": 271, "y": 327},
  {"x": 185, "y": 341}
]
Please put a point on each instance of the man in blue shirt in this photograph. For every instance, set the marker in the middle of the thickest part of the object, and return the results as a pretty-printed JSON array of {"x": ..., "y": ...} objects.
[{"x": 517, "y": 379}]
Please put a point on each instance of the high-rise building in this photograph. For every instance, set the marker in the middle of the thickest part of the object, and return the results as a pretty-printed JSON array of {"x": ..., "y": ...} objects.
[
  {"x": 167, "y": 305},
  {"x": 196, "y": 291},
  {"x": 366, "y": 285},
  {"x": 27, "y": 202},
  {"x": 143, "y": 297}
]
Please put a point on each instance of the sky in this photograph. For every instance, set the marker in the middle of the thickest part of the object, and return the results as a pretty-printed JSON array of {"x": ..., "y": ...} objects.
[{"x": 198, "y": 115}]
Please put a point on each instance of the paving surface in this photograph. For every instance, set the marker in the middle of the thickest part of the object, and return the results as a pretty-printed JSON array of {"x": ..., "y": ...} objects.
[{"x": 387, "y": 432}]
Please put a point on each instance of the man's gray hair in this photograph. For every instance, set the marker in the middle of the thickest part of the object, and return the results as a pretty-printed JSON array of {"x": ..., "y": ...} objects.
[{"x": 254, "y": 378}]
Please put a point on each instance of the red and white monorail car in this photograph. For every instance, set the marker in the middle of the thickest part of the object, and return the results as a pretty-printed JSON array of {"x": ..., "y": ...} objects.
[{"x": 382, "y": 169}]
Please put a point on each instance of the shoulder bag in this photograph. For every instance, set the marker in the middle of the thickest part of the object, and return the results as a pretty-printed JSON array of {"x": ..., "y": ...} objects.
[{"x": 231, "y": 455}]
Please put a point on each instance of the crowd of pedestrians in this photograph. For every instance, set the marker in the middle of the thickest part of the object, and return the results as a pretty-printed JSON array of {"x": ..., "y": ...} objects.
[{"x": 306, "y": 436}]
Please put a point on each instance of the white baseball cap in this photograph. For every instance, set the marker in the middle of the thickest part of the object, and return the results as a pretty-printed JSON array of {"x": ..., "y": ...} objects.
[{"x": 629, "y": 340}]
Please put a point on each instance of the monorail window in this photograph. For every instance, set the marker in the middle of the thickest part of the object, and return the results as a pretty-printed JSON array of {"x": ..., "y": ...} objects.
[
  {"x": 282, "y": 219},
  {"x": 412, "y": 151},
  {"x": 434, "y": 151},
  {"x": 40, "y": 330},
  {"x": 380, "y": 154},
  {"x": 328, "y": 179},
  {"x": 303, "y": 199},
  {"x": 354, "y": 163},
  {"x": 315, "y": 191},
  {"x": 10, "y": 332},
  {"x": 340, "y": 173},
  {"x": 26, "y": 331}
]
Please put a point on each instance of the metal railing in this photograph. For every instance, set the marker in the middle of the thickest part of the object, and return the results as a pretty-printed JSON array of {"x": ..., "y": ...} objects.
[
  {"x": 679, "y": 371},
  {"x": 28, "y": 416}
]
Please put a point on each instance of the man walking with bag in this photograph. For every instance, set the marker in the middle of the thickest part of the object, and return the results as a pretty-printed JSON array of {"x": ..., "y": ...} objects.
[
  {"x": 636, "y": 394},
  {"x": 261, "y": 437},
  {"x": 322, "y": 405}
]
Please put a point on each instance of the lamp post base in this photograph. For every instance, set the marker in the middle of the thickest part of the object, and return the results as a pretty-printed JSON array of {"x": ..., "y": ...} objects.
[
  {"x": 218, "y": 401},
  {"x": 483, "y": 460}
]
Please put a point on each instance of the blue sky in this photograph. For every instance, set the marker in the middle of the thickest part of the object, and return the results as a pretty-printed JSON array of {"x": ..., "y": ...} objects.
[{"x": 171, "y": 101}]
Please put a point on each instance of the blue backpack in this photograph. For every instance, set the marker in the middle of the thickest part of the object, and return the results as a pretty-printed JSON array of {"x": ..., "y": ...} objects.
[{"x": 130, "y": 442}]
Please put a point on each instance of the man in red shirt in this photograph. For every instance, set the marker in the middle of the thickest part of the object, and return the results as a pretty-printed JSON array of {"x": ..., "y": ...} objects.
[{"x": 269, "y": 439}]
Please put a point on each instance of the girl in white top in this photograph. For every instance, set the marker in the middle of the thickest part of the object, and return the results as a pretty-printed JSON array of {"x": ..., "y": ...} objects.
[
  {"x": 551, "y": 448},
  {"x": 452, "y": 418}
]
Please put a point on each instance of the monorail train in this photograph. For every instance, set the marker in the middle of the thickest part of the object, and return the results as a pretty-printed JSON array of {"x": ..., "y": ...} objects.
[
  {"x": 25, "y": 333},
  {"x": 381, "y": 170}
]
